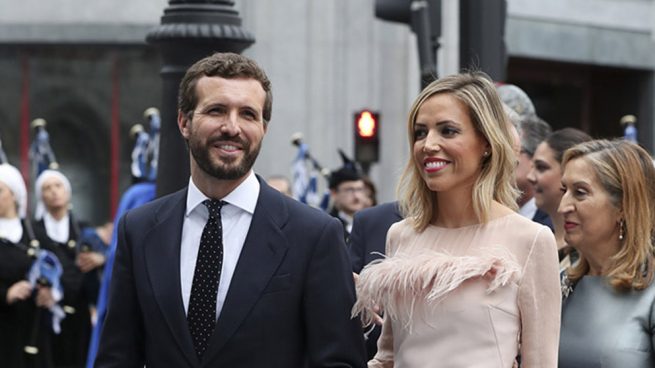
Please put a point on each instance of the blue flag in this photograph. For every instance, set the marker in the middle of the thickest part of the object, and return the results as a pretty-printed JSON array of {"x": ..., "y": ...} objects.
[
  {"x": 139, "y": 166},
  {"x": 153, "y": 143},
  {"x": 3, "y": 156},
  {"x": 305, "y": 184},
  {"x": 46, "y": 270},
  {"x": 41, "y": 153}
]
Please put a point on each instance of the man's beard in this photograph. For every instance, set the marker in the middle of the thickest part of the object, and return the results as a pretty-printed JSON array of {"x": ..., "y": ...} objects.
[{"x": 231, "y": 170}]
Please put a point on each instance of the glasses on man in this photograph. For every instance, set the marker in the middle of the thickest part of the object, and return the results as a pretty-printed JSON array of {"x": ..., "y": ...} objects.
[{"x": 351, "y": 190}]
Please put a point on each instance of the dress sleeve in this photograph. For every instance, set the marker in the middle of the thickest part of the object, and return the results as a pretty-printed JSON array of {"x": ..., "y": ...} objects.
[
  {"x": 540, "y": 302},
  {"x": 384, "y": 357}
]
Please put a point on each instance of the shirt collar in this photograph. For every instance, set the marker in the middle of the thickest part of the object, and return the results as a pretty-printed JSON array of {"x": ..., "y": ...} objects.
[
  {"x": 529, "y": 208},
  {"x": 47, "y": 217},
  {"x": 243, "y": 196}
]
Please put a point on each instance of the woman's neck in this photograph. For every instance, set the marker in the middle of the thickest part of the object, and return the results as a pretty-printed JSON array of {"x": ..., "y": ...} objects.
[
  {"x": 58, "y": 213},
  {"x": 455, "y": 209},
  {"x": 600, "y": 258}
]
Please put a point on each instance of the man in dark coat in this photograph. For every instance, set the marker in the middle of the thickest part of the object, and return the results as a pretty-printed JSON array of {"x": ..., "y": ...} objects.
[
  {"x": 229, "y": 272},
  {"x": 367, "y": 243}
]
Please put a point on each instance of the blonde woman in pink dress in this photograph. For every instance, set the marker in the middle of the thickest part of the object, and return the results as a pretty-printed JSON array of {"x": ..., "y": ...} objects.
[{"x": 467, "y": 282}]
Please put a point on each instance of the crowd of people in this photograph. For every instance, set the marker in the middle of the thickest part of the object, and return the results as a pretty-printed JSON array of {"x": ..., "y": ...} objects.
[
  {"x": 46, "y": 316},
  {"x": 510, "y": 245}
]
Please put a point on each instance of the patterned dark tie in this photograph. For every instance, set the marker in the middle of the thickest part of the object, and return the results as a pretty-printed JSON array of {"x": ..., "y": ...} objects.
[{"x": 201, "y": 315}]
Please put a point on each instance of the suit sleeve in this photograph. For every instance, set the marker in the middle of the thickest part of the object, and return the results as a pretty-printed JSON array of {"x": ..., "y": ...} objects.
[
  {"x": 333, "y": 338},
  {"x": 540, "y": 303},
  {"x": 357, "y": 243},
  {"x": 121, "y": 341}
]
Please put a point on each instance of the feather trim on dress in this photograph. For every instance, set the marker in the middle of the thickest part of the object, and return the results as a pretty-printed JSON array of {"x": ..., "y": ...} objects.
[{"x": 396, "y": 283}]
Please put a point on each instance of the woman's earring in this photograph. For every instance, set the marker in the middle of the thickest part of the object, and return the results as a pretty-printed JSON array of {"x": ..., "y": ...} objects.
[
  {"x": 621, "y": 229},
  {"x": 485, "y": 154}
]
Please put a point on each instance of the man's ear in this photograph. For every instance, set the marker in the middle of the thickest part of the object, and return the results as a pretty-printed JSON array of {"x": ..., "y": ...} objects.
[{"x": 184, "y": 124}]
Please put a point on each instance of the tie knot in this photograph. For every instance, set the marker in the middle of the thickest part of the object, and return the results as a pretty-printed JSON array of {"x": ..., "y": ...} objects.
[{"x": 214, "y": 206}]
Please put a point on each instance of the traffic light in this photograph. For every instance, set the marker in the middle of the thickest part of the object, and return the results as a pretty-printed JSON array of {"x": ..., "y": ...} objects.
[
  {"x": 424, "y": 19},
  {"x": 367, "y": 136},
  {"x": 482, "y": 37}
]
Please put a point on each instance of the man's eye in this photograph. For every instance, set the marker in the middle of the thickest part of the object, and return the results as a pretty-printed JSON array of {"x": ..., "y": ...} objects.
[
  {"x": 215, "y": 111},
  {"x": 250, "y": 115}
]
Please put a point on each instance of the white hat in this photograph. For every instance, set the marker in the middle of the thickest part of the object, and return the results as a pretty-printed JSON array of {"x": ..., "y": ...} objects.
[
  {"x": 12, "y": 178},
  {"x": 38, "y": 187}
]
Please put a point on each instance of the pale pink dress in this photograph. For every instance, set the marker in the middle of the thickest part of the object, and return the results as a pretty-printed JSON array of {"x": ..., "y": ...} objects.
[{"x": 469, "y": 297}]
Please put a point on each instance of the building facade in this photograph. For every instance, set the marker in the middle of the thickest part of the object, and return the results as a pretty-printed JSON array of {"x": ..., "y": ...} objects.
[{"x": 85, "y": 68}]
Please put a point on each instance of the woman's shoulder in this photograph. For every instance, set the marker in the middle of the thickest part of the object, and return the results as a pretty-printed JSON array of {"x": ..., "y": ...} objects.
[{"x": 521, "y": 226}]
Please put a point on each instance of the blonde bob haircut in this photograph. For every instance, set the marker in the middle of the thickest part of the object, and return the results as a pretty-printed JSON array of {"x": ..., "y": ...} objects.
[
  {"x": 496, "y": 181},
  {"x": 626, "y": 173}
]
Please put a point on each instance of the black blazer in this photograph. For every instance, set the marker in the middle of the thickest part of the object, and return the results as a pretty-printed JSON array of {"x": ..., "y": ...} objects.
[
  {"x": 369, "y": 233},
  {"x": 367, "y": 243},
  {"x": 288, "y": 304},
  {"x": 542, "y": 218}
]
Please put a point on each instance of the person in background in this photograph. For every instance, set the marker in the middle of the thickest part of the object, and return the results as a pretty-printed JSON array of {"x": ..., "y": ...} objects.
[
  {"x": 608, "y": 208},
  {"x": 466, "y": 282},
  {"x": 347, "y": 190},
  {"x": 143, "y": 190},
  {"x": 370, "y": 193},
  {"x": 58, "y": 230},
  {"x": 93, "y": 245},
  {"x": 546, "y": 177},
  {"x": 533, "y": 131},
  {"x": 281, "y": 183},
  {"x": 20, "y": 302}
]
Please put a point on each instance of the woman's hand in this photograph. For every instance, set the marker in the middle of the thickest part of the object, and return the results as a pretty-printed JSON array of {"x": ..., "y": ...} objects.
[
  {"x": 377, "y": 319},
  {"x": 88, "y": 261},
  {"x": 44, "y": 297},
  {"x": 19, "y": 291}
]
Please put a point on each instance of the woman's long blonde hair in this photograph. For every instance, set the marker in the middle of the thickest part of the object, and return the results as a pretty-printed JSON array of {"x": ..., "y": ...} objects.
[
  {"x": 626, "y": 173},
  {"x": 496, "y": 181}
]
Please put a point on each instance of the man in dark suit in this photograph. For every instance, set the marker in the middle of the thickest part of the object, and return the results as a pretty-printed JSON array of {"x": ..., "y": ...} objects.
[
  {"x": 367, "y": 243},
  {"x": 229, "y": 272},
  {"x": 532, "y": 130}
]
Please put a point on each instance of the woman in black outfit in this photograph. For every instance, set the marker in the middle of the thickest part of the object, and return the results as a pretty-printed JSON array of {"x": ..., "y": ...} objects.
[
  {"x": 25, "y": 320},
  {"x": 57, "y": 229}
]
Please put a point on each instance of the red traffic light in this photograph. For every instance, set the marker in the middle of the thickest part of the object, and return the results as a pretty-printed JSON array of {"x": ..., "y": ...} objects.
[
  {"x": 367, "y": 136},
  {"x": 366, "y": 124}
]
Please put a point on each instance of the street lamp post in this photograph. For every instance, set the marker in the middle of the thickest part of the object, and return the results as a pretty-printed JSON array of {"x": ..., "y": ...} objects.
[{"x": 189, "y": 31}]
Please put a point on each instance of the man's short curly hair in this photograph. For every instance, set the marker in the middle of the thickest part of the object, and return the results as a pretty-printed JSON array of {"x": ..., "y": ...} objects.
[{"x": 225, "y": 65}]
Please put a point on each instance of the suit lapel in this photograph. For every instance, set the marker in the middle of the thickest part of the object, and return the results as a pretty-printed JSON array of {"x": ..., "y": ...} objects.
[
  {"x": 162, "y": 257},
  {"x": 263, "y": 251}
]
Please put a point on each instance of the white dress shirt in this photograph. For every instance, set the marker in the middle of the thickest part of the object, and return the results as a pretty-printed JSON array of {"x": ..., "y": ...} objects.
[
  {"x": 529, "y": 209},
  {"x": 236, "y": 217},
  {"x": 57, "y": 230},
  {"x": 348, "y": 221}
]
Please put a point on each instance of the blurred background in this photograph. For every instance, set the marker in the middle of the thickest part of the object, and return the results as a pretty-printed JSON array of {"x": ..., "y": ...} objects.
[{"x": 86, "y": 68}]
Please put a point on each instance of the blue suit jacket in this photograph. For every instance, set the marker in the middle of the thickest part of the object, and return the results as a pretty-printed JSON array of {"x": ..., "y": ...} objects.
[
  {"x": 288, "y": 304},
  {"x": 369, "y": 233},
  {"x": 542, "y": 218},
  {"x": 367, "y": 243}
]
